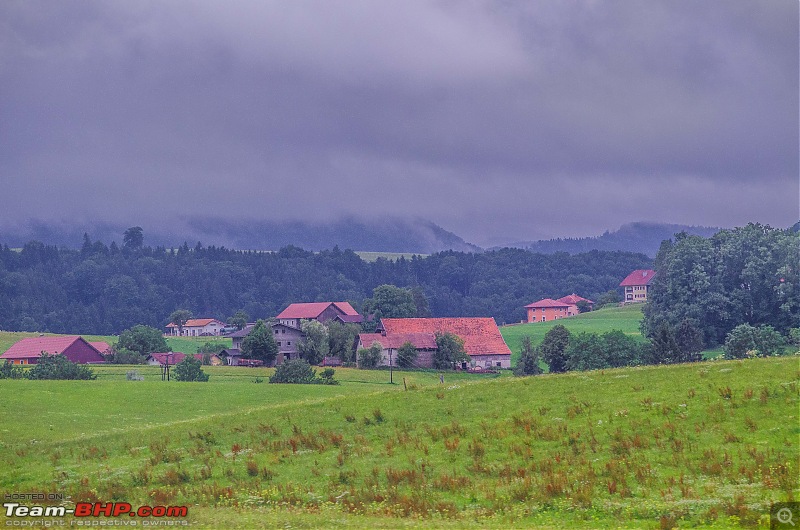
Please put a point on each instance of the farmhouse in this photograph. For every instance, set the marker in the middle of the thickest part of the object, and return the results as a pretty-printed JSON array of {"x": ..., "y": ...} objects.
[
  {"x": 320, "y": 311},
  {"x": 197, "y": 327},
  {"x": 482, "y": 340},
  {"x": 574, "y": 299},
  {"x": 549, "y": 309},
  {"x": 73, "y": 347},
  {"x": 286, "y": 337},
  {"x": 636, "y": 285}
]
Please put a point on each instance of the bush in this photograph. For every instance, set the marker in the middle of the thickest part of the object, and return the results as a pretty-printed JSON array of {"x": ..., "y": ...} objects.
[
  {"x": 529, "y": 359},
  {"x": 133, "y": 375},
  {"x": 59, "y": 367},
  {"x": 10, "y": 371},
  {"x": 121, "y": 355},
  {"x": 189, "y": 370},
  {"x": 296, "y": 371},
  {"x": 326, "y": 377},
  {"x": 745, "y": 340},
  {"x": 407, "y": 356},
  {"x": 369, "y": 357}
]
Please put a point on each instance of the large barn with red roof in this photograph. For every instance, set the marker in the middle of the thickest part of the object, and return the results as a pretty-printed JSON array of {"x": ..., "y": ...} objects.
[
  {"x": 321, "y": 311},
  {"x": 75, "y": 348},
  {"x": 482, "y": 339}
]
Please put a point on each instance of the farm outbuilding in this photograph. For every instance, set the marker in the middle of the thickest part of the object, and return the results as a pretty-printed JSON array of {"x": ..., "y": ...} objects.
[{"x": 73, "y": 347}]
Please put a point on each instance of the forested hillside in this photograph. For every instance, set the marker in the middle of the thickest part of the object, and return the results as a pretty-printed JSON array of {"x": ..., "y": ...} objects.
[{"x": 104, "y": 289}]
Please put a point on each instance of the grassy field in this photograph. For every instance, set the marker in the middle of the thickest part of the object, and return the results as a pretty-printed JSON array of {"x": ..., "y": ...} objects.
[
  {"x": 707, "y": 444},
  {"x": 626, "y": 319}
]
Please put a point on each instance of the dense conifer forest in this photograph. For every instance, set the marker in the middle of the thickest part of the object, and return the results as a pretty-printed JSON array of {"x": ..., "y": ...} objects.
[{"x": 104, "y": 289}]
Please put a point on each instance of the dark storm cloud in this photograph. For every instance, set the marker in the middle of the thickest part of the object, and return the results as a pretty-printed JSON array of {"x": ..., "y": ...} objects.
[{"x": 498, "y": 120}]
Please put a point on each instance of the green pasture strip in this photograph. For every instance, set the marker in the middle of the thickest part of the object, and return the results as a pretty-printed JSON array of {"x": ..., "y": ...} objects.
[
  {"x": 192, "y": 344},
  {"x": 697, "y": 444},
  {"x": 625, "y": 319}
]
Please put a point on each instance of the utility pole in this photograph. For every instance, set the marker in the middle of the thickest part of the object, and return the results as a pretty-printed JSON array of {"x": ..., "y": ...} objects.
[{"x": 391, "y": 381}]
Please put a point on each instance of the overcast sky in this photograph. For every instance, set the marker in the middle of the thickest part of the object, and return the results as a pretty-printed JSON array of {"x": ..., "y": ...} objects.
[{"x": 498, "y": 120}]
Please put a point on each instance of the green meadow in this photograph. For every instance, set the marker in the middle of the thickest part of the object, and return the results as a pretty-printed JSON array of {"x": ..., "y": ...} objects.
[
  {"x": 708, "y": 444},
  {"x": 626, "y": 319}
]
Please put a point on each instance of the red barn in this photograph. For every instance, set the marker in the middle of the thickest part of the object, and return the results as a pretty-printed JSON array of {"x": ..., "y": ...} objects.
[
  {"x": 73, "y": 347},
  {"x": 482, "y": 340},
  {"x": 321, "y": 311}
]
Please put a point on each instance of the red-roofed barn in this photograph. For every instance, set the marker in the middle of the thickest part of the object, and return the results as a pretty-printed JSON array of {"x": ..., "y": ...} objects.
[
  {"x": 482, "y": 340},
  {"x": 73, "y": 347},
  {"x": 321, "y": 311}
]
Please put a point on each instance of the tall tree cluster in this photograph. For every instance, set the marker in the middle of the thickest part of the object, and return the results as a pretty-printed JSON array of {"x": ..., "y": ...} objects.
[{"x": 748, "y": 275}]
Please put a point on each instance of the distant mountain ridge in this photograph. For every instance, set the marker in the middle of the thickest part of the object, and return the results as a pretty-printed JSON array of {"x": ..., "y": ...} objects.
[
  {"x": 641, "y": 237},
  {"x": 383, "y": 235}
]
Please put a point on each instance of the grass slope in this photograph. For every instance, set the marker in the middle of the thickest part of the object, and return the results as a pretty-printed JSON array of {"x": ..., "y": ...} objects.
[
  {"x": 701, "y": 444},
  {"x": 626, "y": 319}
]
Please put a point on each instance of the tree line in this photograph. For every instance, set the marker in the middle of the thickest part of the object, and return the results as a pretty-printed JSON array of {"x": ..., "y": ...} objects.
[{"x": 104, "y": 289}]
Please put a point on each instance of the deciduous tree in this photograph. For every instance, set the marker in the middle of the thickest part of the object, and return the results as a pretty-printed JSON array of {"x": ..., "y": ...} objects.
[
  {"x": 449, "y": 351},
  {"x": 314, "y": 345},
  {"x": 260, "y": 344}
]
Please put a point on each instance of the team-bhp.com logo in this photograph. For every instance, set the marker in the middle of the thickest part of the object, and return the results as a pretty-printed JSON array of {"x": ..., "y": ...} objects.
[{"x": 94, "y": 509}]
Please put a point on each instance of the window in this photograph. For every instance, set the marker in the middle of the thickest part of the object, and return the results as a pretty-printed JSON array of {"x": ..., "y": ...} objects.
[
  {"x": 279, "y": 343},
  {"x": 276, "y": 331},
  {"x": 499, "y": 364},
  {"x": 288, "y": 343}
]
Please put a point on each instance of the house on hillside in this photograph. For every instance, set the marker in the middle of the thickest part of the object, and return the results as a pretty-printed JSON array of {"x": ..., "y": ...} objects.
[
  {"x": 636, "y": 285},
  {"x": 548, "y": 309},
  {"x": 73, "y": 347},
  {"x": 320, "y": 311},
  {"x": 197, "y": 327},
  {"x": 574, "y": 299},
  {"x": 482, "y": 339}
]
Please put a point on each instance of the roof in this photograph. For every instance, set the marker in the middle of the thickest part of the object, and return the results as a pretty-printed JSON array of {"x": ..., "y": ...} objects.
[
  {"x": 421, "y": 341},
  {"x": 347, "y": 319},
  {"x": 548, "y": 302},
  {"x": 315, "y": 309},
  {"x": 245, "y": 331},
  {"x": 480, "y": 334},
  {"x": 173, "y": 357},
  {"x": 33, "y": 347},
  {"x": 196, "y": 323},
  {"x": 638, "y": 277},
  {"x": 573, "y": 299},
  {"x": 347, "y": 309},
  {"x": 101, "y": 346}
]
